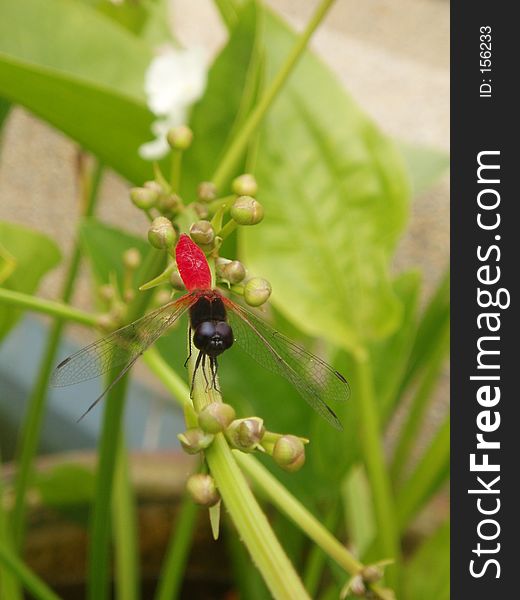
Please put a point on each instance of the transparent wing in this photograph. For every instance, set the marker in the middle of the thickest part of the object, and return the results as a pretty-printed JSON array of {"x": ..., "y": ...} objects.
[
  {"x": 316, "y": 381},
  {"x": 121, "y": 348}
]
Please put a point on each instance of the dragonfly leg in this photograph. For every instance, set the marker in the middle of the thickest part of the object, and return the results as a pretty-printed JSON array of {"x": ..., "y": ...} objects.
[
  {"x": 197, "y": 364},
  {"x": 214, "y": 368},
  {"x": 189, "y": 346}
]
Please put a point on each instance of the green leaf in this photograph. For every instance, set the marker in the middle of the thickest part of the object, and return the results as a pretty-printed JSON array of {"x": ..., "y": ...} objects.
[
  {"x": 82, "y": 73},
  {"x": 427, "y": 574},
  {"x": 336, "y": 200},
  {"x": 21, "y": 270},
  {"x": 213, "y": 118},
  {"x": 425, "y": 165}
]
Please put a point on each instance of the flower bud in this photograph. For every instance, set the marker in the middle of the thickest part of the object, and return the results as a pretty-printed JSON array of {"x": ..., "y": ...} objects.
[
  {"x": 161, "y": 233},
  {"x": 371, "y": 573},
  {"x": 289, "y": 453},
  {"x": 202, "y": 489},
  {"x": 176, "y": 281},
  {"x": 245, "y": 185},
  {"x": 128, "y": 296},
  {"x": 194, "y": 440},
  {"x": 246, "y": 434},
  {"x": 180, "y": 137},
  {"x": 201, "y": 210},
  {"x": 216, "y": 417},
  {"x": 232, "y": 271},
  {"x": 107, "y": 292},
  {"x": 132, "y": 258},
  {"x": 206, "y": 191},
  {"x": 144, "y": 198},
  {"x": 162, "y": 297},
  {"x": 247, "y": 211},
  {"x": 357, "y": 586},
  {"x": 202, "y": 232},
  {"x": 153, "y": 185},
  {"x": 169, "y": 203},
  {"x": 107, "y": 322},
  {"x": 257, "y": 291}
]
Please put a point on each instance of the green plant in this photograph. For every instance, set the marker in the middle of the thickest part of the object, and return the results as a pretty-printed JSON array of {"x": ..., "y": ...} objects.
[{"x": 335, "y": 193}]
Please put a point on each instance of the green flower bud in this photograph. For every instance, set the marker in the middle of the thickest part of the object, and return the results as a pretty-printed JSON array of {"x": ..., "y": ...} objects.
[
  {"x": 162, "y": 297},
  {"x": 202, "y": 489},
  {"x": 194, "y": 440},
  {"x": 176, "y": 281},
  {"x": 246, "y": 434},
  {"x": 144, "y": 198},
  {"x": 232, "y": 271},
  {"x": 289, "y": 453},
  {"x": 169, "y": 203},
  {"x": 107, "y": 322},
  {"x": 247, "y": 211},
  {"x": 202, "y": 232},
  {"x": 216, "y": 417},
  {"x": 180, "y": 137},
  {"x": 206, "y": 191},
  {"x": 128, "y": 296},
  {"x": 132, "y": 258},
  {"x": 257, "y": 291},
  {"x": 161, "y": 233},
  {"x": 245, "y": 185}
]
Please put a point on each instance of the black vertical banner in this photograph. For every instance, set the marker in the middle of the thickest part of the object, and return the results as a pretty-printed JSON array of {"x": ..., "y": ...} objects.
[{"x": 485, "y": 353}]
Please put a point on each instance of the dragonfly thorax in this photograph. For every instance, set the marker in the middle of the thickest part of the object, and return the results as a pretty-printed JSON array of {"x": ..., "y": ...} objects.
[{"x": 213, "y": 337}]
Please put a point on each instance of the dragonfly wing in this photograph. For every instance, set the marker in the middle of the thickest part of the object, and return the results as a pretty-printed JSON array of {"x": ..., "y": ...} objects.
[
  {"x": 316, "y": 381},
  {"x": 121, "y": 348}
]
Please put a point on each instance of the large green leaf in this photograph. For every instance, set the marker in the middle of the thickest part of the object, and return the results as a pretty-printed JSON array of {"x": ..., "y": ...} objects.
[
  {"x": 336, "y": 198},
  {"x": 25, "y": 257},
  {"x": 425, "y": 165},
  {"x": 82, "y": 73}
]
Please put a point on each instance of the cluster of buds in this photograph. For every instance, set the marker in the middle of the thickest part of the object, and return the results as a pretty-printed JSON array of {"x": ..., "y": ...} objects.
[
  {"x": 247, "y": 435},
  {"x": 116, "y": 298}
]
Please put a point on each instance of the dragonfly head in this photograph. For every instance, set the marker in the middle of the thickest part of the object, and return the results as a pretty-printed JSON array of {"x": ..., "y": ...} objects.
[{"x": 213, "y": 337}]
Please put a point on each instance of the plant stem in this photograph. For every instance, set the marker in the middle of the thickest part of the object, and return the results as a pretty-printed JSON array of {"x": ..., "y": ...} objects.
[
  {"x": 125, "y": 529},
  {"x": 418, "y": 406},
  {"x": 373, "y": 457},
  {"x": 9, "y": 583},
  {"x": 294, "y": 510},
  {"x": 246, "y": 514},
  {"x": 228, "y": 13},
  {"x": 173, "y": 382},
  {"x": 240, "y": 142},
  {"x": 32, "y": 583},
  {"x": 99, "y": 550},
  {"x": 30, "y": 434},
  {"x": 174, "y": 564},
  {"x": 46, "y": 307},
  {"x": 176, "y": 169},
  {"x": 431, "y": 471}
]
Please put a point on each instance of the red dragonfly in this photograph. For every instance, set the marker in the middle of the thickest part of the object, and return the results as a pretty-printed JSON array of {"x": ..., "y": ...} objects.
[{"x": 216, "y": 322}]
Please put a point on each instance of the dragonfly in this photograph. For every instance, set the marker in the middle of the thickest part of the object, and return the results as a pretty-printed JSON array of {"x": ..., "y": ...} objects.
[{"x": 215, "y": 324}]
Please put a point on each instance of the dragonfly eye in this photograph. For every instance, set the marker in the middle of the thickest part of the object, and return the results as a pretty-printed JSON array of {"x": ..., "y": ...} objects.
[{"x": 213, "y": 337}]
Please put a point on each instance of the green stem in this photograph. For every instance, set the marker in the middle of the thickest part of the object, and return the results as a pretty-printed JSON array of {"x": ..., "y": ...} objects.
[
  {"x": 174, "y": 564},
  {"x": 99, "y": 550},
  {"x": 418, "y": 407},
  {"x": 228, "y": 228},
  {"x": 280, "y": 497},
  {"x": 431, "y": 471},
  {"x": 125, "y": 529},
  {"x": 46, "y": 307},
  {"x": 99, "y": 547},
  {"x": 245, "y": 512},
  {"x": 317, "y": 557},
  {"x": 30, "y": 434},
  {"x": 373, "y": 457},
  {"x": 31, "y": 582},
  {"x": 9, "y": 584},
  {"x": 176, "y": 170},
  {"x": 240, "y": 142}
]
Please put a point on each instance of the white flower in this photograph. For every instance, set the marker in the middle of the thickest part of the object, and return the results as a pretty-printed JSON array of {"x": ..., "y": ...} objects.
[{"x": 174, "y": 80}]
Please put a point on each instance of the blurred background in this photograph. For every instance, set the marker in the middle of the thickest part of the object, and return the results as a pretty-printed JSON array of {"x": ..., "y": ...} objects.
[{"x": 393, "y": 57}]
